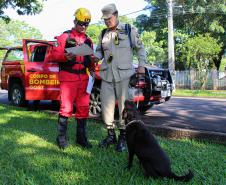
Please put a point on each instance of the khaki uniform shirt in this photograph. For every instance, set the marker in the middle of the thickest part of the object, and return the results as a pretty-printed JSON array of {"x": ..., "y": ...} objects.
[{"x": 120, "y": 67}]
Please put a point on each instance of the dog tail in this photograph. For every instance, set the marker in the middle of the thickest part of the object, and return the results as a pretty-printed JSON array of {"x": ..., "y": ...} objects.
[{"x": 184, "y": 178}]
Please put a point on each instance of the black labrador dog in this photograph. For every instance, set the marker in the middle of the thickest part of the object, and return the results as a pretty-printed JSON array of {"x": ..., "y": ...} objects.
[{"x": 142, "y": 143}]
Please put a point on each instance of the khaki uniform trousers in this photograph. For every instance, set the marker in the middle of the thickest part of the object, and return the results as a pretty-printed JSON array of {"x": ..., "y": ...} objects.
[{"x": 110, "y": 92}]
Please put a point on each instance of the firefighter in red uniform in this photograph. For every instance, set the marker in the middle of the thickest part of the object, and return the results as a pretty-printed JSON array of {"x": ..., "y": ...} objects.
[{"x": 73, "y": 79}]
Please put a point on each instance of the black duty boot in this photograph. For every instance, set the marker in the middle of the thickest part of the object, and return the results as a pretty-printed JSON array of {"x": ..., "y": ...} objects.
[
  {"x": 121, "y": 145},
  {"x": 109, "y": 140},
  {"x": 81, "y": 137},
  {"x": 62, "y": 131}
]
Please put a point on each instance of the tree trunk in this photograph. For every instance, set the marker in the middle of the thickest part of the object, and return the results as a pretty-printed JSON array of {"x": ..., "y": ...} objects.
[
  {"x": 192, "y": 78},
  {"x": 217, "y": 61}
]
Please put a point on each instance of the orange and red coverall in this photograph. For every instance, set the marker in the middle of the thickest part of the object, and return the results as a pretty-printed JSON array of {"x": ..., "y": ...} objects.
[{"x": 72, "y": 85}]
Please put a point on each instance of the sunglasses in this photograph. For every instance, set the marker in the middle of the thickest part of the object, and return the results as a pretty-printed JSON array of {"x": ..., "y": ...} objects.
[{"x": 86, "y": 24}]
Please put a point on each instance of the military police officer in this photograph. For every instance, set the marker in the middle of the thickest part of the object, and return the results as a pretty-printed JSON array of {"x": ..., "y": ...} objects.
[{"x": 117, "y": 43}]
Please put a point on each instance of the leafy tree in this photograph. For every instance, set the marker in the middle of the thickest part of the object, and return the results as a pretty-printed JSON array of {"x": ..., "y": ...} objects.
[
  {"x": 190, "y": 18},
  {"x": 11, "y": 34},
  {"x": 223, "y": 64},
  {"x": 180, "y": 39},
  {"x": 125, "y": 19},
  {"x": 155, "y": 53},
  {"x": 28, "y": 7},
  {"x": 200, "y": 17},
  {"x": 142, "y": 23},
  {"x": 199, "y": 53},
  {"x": 94, "y": 31}
]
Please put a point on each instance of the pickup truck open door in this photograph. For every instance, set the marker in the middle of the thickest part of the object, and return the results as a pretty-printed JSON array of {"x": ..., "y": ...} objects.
[{"x": 41, "y": 76}]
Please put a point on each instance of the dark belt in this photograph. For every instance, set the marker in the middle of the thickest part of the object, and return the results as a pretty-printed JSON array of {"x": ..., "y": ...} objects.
[{"x": 75, "y": 71}]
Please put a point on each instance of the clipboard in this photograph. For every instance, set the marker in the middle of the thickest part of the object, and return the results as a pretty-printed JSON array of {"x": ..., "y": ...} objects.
[{"x": 80, "y": 50}]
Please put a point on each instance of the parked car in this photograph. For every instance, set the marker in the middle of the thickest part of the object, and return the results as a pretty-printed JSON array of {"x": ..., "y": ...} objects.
[{"x": 28, "y": 75}]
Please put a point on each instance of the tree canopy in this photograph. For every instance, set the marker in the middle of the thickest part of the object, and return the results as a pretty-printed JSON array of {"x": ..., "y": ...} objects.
[
  {"x": 94, "y": 31},
  {"x": 11, "y": 34},
  {"x": 155, "y": 52},
  {"x": 28, "y": 7},
  {"x": 190, "y": 19},
  {"x": 200, "y": 51}
]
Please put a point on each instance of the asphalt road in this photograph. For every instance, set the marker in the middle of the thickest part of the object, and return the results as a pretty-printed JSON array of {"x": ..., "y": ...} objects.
[
  {"x": 3, "y": 96},
  {"x": 205, "y": 114}
]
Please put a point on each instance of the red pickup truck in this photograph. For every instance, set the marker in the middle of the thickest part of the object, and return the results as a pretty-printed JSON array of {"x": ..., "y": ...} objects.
[{"x": 27, "y": 75}]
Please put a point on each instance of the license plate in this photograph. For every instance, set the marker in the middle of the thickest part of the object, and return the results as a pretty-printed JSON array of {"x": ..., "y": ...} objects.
[
  {"x": 168, "y": 93},
  {"x": 164, "y": 94}
]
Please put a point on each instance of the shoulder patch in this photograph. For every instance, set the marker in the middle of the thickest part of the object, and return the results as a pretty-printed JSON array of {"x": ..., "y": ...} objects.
[{"x": 138, "y": 35}]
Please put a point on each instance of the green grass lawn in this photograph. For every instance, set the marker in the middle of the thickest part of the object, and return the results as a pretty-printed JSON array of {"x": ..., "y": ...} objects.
[
  {"x": 200, "y": 93},
  {"x": 29, "y": 156}
]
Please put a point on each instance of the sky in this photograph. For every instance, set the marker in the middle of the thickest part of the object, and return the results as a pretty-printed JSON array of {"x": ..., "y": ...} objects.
[{"x": 57, "y": 15}]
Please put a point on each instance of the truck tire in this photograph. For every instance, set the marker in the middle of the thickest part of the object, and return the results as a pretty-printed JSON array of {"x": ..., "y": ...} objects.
[
  {"x": 17, "y": 95},
  {"x": 56, "y": 104},
  {"x": 167, "y": 98},
  {"x": 95, "y": 102}
]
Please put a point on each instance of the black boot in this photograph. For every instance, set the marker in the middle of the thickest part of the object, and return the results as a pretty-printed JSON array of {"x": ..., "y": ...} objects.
[
  {"x": 109, "y": 140},
  {"x": 62, "y": 131},
  {"x": 81, "y": 137},
  {"x": 121, "y": 145}
]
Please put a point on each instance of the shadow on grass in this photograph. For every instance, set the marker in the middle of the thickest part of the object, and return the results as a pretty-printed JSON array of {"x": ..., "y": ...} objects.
[{"x": 28, "y": 155}]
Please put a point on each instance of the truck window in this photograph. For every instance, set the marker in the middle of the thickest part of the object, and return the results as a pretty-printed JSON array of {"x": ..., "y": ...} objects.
[
  {"x": 38, "y": 54},
  {"x": 14, "y": 55}
]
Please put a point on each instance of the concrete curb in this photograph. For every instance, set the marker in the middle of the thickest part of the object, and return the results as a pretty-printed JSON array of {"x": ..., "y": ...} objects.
[{"x": 179, "y": 133}]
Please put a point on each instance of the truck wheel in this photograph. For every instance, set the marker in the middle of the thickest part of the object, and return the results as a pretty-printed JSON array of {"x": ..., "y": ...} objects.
[
  {"x": 55, "y": 104},
  {"x": 17, "y": 96},
  {"x": 95, "y": 102},
  {"x": 167, "y": 98}
]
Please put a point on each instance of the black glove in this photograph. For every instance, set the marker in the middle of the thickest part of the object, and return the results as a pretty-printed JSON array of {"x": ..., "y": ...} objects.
[
  {"x": 87, "y": 61},
  {"x": 133, "y": 80}
]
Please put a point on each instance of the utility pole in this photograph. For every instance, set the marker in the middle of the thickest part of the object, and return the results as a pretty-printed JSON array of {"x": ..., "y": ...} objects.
[{"x": 171, "y": 54}]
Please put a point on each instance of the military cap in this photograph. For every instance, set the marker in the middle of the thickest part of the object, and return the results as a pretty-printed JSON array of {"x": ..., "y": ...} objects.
[{"x": 108, "y": 11}]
